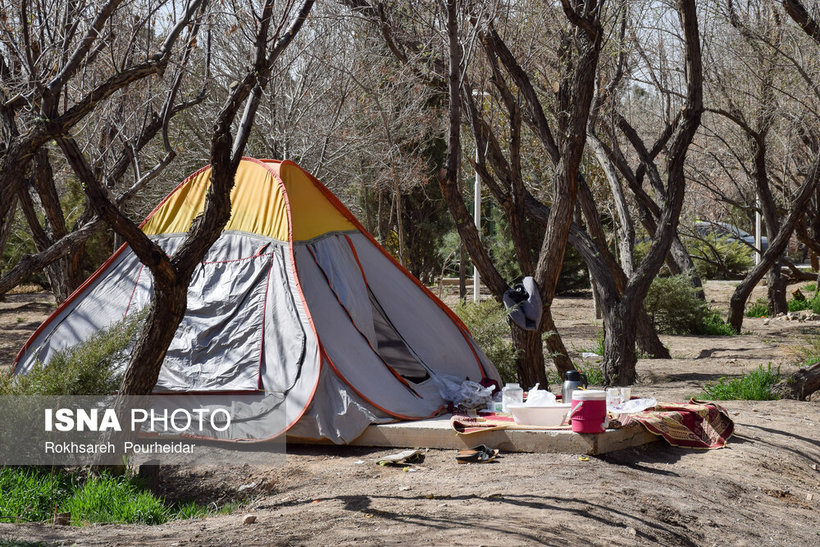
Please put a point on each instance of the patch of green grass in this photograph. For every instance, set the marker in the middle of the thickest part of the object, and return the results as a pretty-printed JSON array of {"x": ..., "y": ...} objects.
[
  {"x": 593, "y": 372},
  {"x": 192, "y": 510},
  {"x": 798, "y": 305},
  {"x": 801, "y": 304},
  {"x": 714, "y": 325},
  {"x": 600, "y": 347},
  {"x": 115, "y": 499},
  {"x": 597, "y": 346},
  {"x": 808, "y": 352},
  {"x": 89, "y": 368},
  {"x": 553, "y": 377},
  {"x": 34, "y": 494},
  {"x": 754, "y": 386},
  {"x": 30, "y": 494},
  {"x": 760, "y": 308},
  {"x": 811, "y": 287}
]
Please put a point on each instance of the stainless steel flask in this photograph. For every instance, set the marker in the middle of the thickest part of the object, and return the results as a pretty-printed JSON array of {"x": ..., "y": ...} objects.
[{"x": 574, "y": 380}]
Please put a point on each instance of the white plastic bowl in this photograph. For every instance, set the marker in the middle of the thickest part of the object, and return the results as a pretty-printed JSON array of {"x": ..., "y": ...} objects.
[{"x": 552, "y": 415}]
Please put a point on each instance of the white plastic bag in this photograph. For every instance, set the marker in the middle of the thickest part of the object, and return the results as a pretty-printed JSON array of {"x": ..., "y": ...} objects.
[
  {"x": 464, "y": 393},
  {"x": 539, "y": 397},
  {"x": 634, "y": 405}
]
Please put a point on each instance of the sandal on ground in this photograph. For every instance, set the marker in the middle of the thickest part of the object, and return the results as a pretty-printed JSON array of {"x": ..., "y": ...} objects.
[{"x": 479, "y": 454}]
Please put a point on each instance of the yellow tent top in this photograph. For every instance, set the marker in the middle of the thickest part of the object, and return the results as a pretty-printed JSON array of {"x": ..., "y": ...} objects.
[{"x": 269, "y": 198}]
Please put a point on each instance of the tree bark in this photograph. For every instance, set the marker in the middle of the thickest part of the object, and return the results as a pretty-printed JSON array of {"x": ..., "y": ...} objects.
[
  {"x": 529, "y": 362},
  {"x": 555, "y": 345},
  {"x": 647, "y": 337},
  {"x": 776, "y": 290},
  {"x": 801, "y": 384},
  {"x": 5, "y": 230},
  {"x": 619, "y": 345},
  {"x": 626, "y": 226},
  {"x": 801, "y": 16}
]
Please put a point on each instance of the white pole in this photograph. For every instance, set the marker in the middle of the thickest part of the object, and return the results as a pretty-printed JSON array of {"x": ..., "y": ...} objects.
[
  {"x": 758, "y": 231},
  {"x": 477, "y": 216}
]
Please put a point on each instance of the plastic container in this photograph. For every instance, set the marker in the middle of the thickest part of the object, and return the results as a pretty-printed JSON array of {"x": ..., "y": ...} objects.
[
  {"x": 511, "y": 394},
  {"x": 588, "y": 411},
  {"x": 549, "y": 415}
]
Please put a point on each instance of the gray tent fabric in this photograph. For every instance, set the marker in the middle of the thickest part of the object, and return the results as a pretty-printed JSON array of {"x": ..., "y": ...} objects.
[
  {"x": 523, "y": 303},
  {"x": 322, "y": 337}
]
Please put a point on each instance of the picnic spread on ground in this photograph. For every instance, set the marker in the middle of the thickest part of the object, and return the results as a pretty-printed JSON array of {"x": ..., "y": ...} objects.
[{"x": 694, "y": 425}]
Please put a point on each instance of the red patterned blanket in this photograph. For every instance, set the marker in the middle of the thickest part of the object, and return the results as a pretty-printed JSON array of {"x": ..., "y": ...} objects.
[{"x": 694, "y": 425}]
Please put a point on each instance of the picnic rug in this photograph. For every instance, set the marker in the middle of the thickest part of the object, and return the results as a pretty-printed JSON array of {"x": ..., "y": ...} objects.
[
  {"x": 467, "y": 424},
  {"x": 695, "y": 424}
]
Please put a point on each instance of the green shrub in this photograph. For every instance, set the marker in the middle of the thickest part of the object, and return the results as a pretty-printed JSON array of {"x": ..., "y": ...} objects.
[
  {"x": 719, "y": 257},
  {"x": 674, "y": 308},
  {"x": 760, "y": 308},
  {"x": 487, "y": 322},
  {"x": 713, "y": 324},
  {"x": 754, "y": 386},
  {"x": 89, "y": 368}
]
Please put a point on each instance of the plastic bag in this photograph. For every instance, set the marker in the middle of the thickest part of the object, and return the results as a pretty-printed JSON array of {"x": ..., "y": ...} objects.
[
  {"x": 634, "y": 405},
  {"x": 539, "y": 397},
  {"x": 464, "y": 393}
]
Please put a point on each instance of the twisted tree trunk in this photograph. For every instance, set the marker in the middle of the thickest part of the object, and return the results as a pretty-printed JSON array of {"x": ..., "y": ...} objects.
[{"x": 801, "y": 384}]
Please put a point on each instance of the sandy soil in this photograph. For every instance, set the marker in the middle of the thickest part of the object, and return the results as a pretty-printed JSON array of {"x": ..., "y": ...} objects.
[{"x": 762, "y": 489}]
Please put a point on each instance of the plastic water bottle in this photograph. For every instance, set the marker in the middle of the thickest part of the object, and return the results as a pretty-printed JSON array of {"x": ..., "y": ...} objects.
[{"x": 511, "y": 394}]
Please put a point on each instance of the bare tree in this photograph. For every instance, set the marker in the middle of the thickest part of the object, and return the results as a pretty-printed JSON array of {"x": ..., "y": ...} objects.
[
  {"x": 172, "y": 274},
  {"x": 61, "y": 62},
  {"x": 532, "y": 116},
  {"x": 765, "y": 107}
]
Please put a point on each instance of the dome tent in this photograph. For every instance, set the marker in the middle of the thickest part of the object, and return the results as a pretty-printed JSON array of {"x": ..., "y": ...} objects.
[{"x": 295, "y": 302}]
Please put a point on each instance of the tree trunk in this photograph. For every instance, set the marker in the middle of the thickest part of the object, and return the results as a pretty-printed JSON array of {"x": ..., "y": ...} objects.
[
  {"x": 555, "y": 345},
  {"x": 596, "y": 298},
  {"x": 400, "y": 226},
  {"x": 801, "y": 384},
  {"x": 680, "y": 256},
  {"x": 776, "y": 285},
  {"x": 155, "y": 338},
  {"x": 462, "y": 273},
  {"x": 626, "y": 226},
  {"x": 619, "y": 346},
  {"x": 5, "y": 229},
  {"x": 647, "y": 337},
  {"x": 529, "y": 362}
]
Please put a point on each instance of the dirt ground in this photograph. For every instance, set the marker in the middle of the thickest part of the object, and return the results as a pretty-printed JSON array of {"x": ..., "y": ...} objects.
[{"x": 762, "y": 489}]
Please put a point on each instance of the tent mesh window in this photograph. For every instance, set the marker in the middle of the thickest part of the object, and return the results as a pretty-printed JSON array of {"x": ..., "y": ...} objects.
[{"x": 392, "y": 347}]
